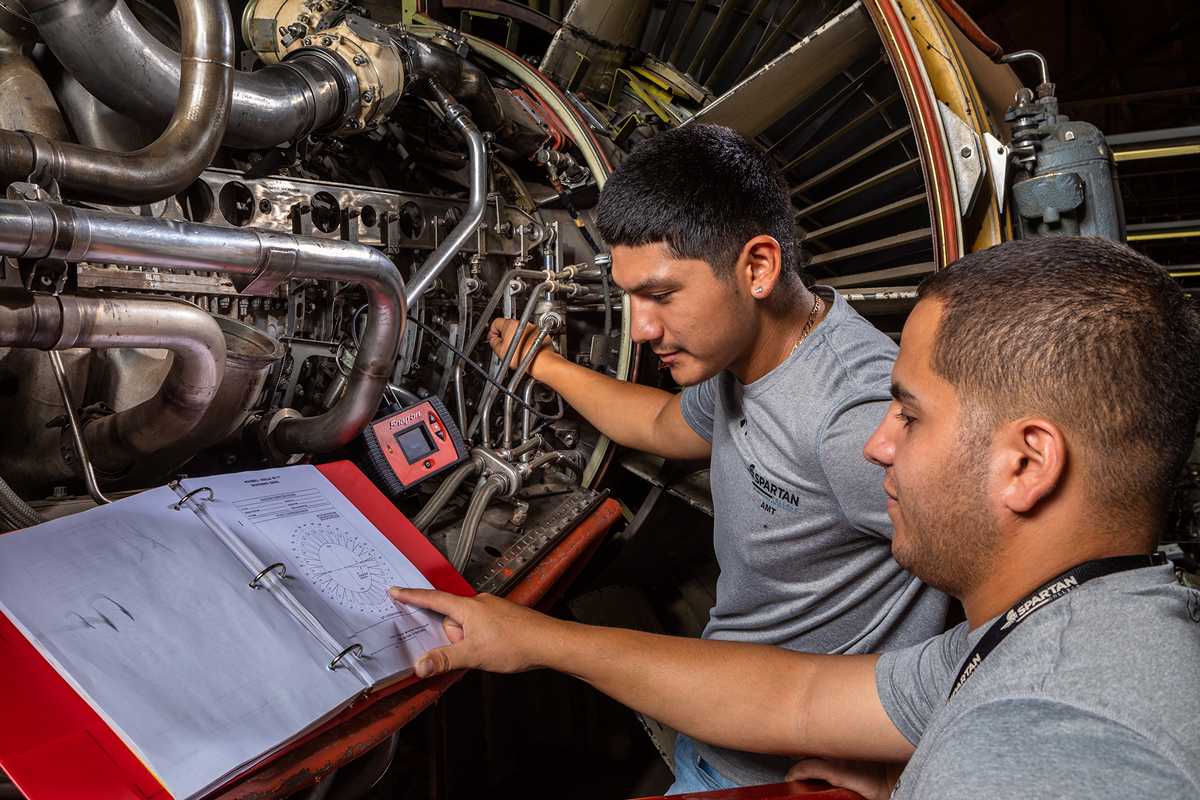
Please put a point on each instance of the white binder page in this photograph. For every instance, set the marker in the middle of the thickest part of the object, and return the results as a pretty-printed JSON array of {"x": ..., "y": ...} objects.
[
  {"x": 149, "y": 617},
  {"x": 339, "y": 566}
]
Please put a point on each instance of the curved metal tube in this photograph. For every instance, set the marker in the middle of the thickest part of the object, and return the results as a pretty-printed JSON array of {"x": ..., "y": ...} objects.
[
  {"x": 458, "y": 117},
  {"x": 104, "y": 46},
  {"x": 77, "y": 437},
  {"x": 458, "y": 76},
  {"x": 490, "y": 394},
  {"x": 483, "y": 494},
  {"x": 49, "y": 230},
  {"x": 438, "y": 501},
  {"x": 522, "y": 368},
  {"x": 117, "y": 442},
  {"x": 1029, "y": 55},
  {"x": 167, "y": 165},
  {"x": 553, "y": 457},
  {"x": 485, "y": 321}
]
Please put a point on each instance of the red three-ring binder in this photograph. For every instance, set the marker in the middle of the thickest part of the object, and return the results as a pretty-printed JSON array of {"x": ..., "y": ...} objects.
[{"x": 55, "y": 747}]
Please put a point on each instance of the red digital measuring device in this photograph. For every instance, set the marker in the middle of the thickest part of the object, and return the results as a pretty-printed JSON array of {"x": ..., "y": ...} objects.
[{"x": 413, "y": 444}]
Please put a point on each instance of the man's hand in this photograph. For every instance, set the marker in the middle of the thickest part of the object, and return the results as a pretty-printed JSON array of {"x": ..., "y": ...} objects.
[
  {"x": 500, "y": 335},
  {"x": 485, "y": 632},
  {"x": 872, "y": 780}
]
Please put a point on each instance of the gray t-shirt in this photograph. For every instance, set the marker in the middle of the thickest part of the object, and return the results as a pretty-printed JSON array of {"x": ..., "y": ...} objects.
[
  {"x": 801, "y": 530},
  {"x": 1096, "y": 695}
]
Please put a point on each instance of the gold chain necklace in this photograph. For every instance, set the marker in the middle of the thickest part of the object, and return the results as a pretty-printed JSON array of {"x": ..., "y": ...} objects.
[{"x": 808, "y": 325}]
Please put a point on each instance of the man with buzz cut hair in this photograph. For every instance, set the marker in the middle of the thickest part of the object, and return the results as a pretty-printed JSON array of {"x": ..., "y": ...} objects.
[
  {"x": 1045, "y": 398},
  {"x": 784, "y": 385}
]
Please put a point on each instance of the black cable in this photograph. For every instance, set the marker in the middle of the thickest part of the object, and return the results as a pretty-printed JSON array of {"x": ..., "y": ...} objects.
[
  {"x": 565, "y": 194},
  {"x": 481, "y": 370},
  {"x": 587, "y": 236}
]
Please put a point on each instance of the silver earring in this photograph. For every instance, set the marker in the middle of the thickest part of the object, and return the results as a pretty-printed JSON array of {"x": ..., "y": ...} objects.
[{"x": 758, "y": 290}]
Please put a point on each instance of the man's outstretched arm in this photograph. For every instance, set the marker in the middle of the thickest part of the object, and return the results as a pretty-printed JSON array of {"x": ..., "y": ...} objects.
[
  {"x": 632, "y": 415},
  {"x": 744, "y": 696}
]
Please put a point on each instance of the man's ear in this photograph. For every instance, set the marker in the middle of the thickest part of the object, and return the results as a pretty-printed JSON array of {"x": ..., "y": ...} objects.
[
  {"x": 1031, "y": 461},
  {"x": 759, "y": 266}
]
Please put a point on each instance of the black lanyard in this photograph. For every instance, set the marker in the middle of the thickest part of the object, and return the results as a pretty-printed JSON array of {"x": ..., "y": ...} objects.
[{"x": 1043, "y": 596}]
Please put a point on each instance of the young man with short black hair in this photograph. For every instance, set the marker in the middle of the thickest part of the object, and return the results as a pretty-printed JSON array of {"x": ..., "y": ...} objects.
[
  {"x": 783, "y": 387},
  {"x": 1045, "y": 397}
]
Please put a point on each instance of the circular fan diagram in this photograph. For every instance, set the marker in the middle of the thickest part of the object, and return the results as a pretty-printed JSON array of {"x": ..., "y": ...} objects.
[{"x": 342, "y": 566}]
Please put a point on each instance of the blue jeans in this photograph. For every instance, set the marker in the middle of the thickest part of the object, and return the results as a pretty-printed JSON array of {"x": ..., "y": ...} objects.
[{"x": 693, "y": 773}]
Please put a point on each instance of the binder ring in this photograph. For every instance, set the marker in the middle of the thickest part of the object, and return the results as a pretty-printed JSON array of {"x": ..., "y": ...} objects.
[
  {"x": 188, "y": 496},
  {"x": 354, "y": 648},
  {"x": 278, "y": 565}
]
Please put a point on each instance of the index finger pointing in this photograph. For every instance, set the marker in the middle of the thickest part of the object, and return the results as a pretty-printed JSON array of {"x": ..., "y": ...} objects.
[{"x": 441, "y": 602}]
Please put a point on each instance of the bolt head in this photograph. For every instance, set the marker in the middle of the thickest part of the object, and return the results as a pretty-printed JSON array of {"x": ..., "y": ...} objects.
[
  {"x": 307, "y": 41},
  {"x": 965, "y": 152},
  {"x": 359, "y": 60},
  {"x": 1069, "y": 136},
  {"x": 368, "y": 96},
  {"x": 325, "y": 40}
]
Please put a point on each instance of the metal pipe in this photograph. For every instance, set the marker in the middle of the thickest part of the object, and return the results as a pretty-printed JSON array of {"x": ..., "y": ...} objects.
[
  {"x": 171, "y": 162},
  {"x": 1030, "y": 55},
  {"x": 489, "y": 391},
  {"x": 530, "y": 443},
  {"x": 81, "y": 450},
  {"x": 485, "y": 321},
  {"x": 460, "y": 398},
  {"x": 104, "y": 46},
  {"x": 434, "y": 505},
  {"x": 555, "y": 457},
  {"x": 458, "y": 76},
  {"x": 482, "y": 495},
  {"x": 460, "y": 120},
  {"x": 518, "y": 374},
  {"x": 48, "y": 230},
  {"x": 249, "y": 355},
  {"x": 527, "y": 413},
  {"x": 120, "y": 440}
]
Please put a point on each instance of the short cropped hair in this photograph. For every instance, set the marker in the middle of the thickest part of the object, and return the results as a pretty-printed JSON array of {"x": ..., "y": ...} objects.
[
  {"x": 704, "y": 191},
  {"x": 1088, "y": 333}
]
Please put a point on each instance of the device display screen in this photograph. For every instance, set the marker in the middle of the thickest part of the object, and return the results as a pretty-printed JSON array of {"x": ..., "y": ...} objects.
[{"x": 415, "y": 443}]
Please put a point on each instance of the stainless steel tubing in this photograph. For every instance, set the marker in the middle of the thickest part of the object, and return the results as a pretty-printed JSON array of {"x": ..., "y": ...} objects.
[
  {"x": 41, "y": 230},
  {"x": 515, "y": 381},
  {"x": 117, "y": 442},
  {"x": 1030, "y": 55},
  {"x": 438, "y": 501},
  {"x": 483, "y": 494},
  {"x": 201, "y": 97},
  {"x": 485, "y": 321},
  {"x": 527, "y": 413},
  {"x": 249, "y": 354},
  {"x": 460, "y": 120},
  {"x": 459, "y": 77},
  {"x": 489, "y": 392},
  {"x": 104, "y": 46},
  {"x": 81, "y": 449},
  {"x": 553, "y": 457}
]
